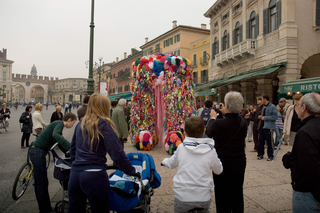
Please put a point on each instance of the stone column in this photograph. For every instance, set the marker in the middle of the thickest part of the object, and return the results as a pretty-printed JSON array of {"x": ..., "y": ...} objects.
[
  {"x": 247, "y": 92},
  {"x": 265, "y": 87},
  {"x": 222, "y": 91},
  {"x": 233, "y": 87}
]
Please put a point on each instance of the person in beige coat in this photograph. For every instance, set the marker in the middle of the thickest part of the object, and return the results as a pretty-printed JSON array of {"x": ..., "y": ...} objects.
[
  {"x": 37, "y": 120},
  {"x": 291, "y": 121},
  {"x": 120, "y": 122}
]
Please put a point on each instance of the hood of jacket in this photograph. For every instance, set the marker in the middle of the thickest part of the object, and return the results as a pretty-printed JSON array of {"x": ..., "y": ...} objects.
[{"x": 198, "y": 146}]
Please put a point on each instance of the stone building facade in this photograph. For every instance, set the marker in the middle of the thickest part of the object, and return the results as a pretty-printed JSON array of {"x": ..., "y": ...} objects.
[
  {"x": 258, "y": 45},
  {"x": 5, "y": 76}
]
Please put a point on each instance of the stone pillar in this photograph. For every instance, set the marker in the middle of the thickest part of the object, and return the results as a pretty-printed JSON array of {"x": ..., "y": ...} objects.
[
  {"x": 233, "y": 87},
  {"x": 222, "y": 91},
  {"x": 248, "y": 92},
  {"x": 288, "y": 27},
  {"x": 286, "y": 77},
  {"x": 265, "y": 87}
]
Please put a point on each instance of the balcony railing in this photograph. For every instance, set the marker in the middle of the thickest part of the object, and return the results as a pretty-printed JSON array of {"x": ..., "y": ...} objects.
[
  {"x": 243, "y": 49},
  {"x": 204, "y": 61}
]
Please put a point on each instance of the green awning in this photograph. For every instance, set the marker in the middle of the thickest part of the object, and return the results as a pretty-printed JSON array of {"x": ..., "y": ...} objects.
[
  {"x": 302, "y": 85},
  {"x": 206, "y": 92},
  {"x": 240, "y": 77},
  {"x": 126, "y": 96}
]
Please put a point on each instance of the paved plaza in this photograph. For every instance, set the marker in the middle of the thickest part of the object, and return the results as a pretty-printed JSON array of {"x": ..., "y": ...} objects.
[{"x": 266, "y": 187}]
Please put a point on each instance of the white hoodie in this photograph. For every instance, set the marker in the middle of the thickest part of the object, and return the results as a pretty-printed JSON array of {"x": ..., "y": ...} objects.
[{"x": 196, "y": 158}]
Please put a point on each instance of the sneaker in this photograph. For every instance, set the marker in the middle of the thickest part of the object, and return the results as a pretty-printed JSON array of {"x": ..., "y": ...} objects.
[
  {"x": 269, "y": 159},
  {"x": 259, "y": 157}
]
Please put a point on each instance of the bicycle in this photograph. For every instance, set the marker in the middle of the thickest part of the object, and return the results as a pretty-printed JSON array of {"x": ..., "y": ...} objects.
[
  {"x": 3, "y": 123},
  {"x": 25, "y": 176}
]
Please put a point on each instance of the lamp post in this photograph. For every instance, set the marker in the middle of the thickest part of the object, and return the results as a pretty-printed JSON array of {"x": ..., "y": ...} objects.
[
  {"x": 99, "y": 67},
  {"x": 90, "y": 89}
]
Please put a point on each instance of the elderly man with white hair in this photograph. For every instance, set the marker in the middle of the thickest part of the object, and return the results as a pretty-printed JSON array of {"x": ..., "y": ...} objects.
[
  {"x": 229, "y": 135},
  {"x": 119, "y": 120},
  {"x": 304, "y": 159}
]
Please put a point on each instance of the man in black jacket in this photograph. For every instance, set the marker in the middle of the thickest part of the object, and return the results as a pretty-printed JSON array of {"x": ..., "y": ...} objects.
[
  {"x": 304, "y": 159},
  {"x": 255, "y": 131}
]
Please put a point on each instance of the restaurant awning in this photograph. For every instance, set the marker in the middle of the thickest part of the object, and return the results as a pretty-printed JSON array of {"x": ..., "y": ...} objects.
[
  {"x": 126, "y": 96},
  {"x": 240, "y": 77},
  {"x": 206, "y": 92},
  {"x": 302, "y": 85}
]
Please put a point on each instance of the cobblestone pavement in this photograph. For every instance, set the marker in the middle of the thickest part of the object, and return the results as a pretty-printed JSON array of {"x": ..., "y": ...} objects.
[{"x": 266, "y": 187}]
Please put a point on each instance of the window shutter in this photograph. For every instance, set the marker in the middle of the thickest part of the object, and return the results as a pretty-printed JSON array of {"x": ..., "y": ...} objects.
[
  {"x": 240, "y": 31},
  {"x": 240, "y": 3},
  {"x": 227, "y": 41},
  {"x": 213, "y": 46},
  {"x": 233, "y": 9},
  {"x": 222, "y": 42},
  {"x": 204, "y": 56},
  {"x": 171, "y": 40},
  {"x": 248, "y": 29},
  {"x": 228, "y": 14},
  {"x": 318, "y": 13},
  {"x": 233, "y": 37},
  {"x": 217, "y": 45},
  {"x": 195, "y": 80},
  {"x": 278, "y": 14},
  {"x": 266, "y": 15},
  {"x": 201, "y": 76},
  {"x": 256, "y": 33}
]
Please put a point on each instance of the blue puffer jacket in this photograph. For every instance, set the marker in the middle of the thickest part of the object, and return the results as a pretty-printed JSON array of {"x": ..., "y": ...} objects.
[{"x": 270, "y": 117}]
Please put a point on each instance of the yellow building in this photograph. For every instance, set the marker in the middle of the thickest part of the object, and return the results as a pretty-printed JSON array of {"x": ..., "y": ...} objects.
[
  {"x": 199, "y": 55},
  {"x": 176, "y": 41}
]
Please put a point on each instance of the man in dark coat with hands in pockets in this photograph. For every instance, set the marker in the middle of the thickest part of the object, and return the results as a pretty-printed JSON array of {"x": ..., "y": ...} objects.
[{"x": 304, "y": 159}]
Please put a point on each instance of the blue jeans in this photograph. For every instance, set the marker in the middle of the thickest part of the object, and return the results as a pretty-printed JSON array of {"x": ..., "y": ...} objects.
[
  {"x": 278, "y": 135},
  {"x": 304, "y": 202},
  {"x": 38, "y": 159},
  {"x": 265, "y": 135},
  {"x": 93, "y": 186}
]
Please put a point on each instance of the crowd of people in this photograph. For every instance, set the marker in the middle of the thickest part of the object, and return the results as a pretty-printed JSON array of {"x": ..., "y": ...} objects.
[
  {"x": 215, "y": 143},
  {"x": 265, "y": 124}
]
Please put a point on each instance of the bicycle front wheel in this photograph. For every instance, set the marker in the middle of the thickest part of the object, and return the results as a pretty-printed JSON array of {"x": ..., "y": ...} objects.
[{"x": 21, "y": 183}]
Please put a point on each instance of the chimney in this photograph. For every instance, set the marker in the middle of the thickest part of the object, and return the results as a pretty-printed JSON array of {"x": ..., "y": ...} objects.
[
  {"x": 174, "y": 24},
  {"x": 125, "y": 55},
  {"x": 146, "y": 40},
  {"x": 117, "y": 59},
  {"x": 203, "y": 26}
]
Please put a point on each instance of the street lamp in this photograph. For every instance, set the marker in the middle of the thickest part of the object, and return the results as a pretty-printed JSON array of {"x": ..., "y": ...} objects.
[
  {"x": 90, "y": 79},
  {"x": 99, "y": 67}
]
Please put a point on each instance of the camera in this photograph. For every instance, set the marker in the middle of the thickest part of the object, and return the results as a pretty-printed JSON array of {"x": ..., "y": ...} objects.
[{"x": 217, "y": 107}]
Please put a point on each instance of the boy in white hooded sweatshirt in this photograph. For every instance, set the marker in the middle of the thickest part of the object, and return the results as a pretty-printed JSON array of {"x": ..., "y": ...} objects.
[{"x": 196, "y": 159}]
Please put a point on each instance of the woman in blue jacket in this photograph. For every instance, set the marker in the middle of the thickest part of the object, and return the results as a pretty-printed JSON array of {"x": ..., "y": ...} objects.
[{"x": 94, "y": 137}]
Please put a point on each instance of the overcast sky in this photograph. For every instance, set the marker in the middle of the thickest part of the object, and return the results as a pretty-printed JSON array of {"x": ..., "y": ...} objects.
[{"x": 54, "y": 34}]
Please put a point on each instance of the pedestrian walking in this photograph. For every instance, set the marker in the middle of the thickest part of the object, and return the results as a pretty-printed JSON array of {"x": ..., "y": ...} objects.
[
  {"x": 266, "y": 126},
  {"x": 5, "y": 112},
  {"x": 37, "y": 120},
  {"x": 304, "y": 159},
  {"x": 251, "y": 114},
  {"x": 66, "y": 107},
  {"x": 279, "y": 126},
  {"x": 120, "y": 122},
  {"x": 57, "y": 115},
  {"x": 93, "y": 138},
  {"x": 82, "y": 111},
  {"x": 196, "y": 159},
  {"x": 229, "y": 135},
  {"x": 26, "y": 120},
  {"x": 255, "y": 131},
  {"x": 291, "y": 121}
]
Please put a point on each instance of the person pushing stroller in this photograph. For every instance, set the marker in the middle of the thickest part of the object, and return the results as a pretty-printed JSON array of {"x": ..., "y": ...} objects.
[{"x": 196, "y": 158}]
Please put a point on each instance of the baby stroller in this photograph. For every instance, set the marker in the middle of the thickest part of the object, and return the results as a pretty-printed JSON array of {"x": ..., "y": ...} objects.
[
  {"x": 129, "y": 194},
  {"x": 62, "y": 169}
]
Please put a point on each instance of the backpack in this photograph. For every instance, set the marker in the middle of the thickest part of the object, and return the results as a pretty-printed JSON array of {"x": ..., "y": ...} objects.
[{"x": 205, "y": 115}]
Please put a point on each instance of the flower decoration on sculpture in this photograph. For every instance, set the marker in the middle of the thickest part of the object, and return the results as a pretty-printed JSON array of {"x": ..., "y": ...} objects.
[
  {"x": 173, "y": 140},
  {"x": 162, "y": 95},
  {"x": 144, "y": 141}
]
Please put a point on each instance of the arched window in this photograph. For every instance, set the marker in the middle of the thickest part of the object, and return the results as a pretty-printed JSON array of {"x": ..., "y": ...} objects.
[
  {"x": 225, "y": 41},
  {"x": 272, "y": 17}
]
